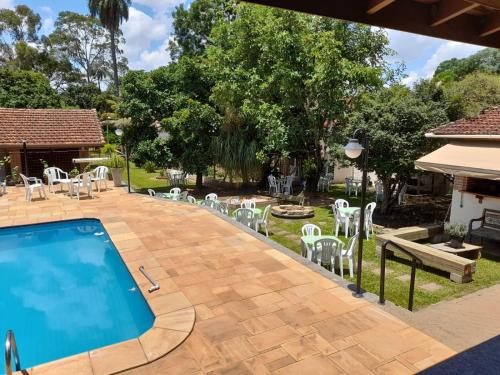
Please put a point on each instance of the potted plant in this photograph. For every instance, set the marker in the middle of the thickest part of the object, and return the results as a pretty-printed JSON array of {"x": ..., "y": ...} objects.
[
  {"x": 457, "y": 233},
  {"x": 116, "y": 164}
]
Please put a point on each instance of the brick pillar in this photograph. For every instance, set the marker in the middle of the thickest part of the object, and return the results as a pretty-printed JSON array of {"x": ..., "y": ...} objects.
[
  {"x": 461, "y": 183},
  {"x": 15, "y": 159}
]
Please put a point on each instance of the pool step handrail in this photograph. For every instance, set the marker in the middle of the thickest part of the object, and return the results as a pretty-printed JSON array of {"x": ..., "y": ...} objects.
[
  {"x": 155, "y": 286},
  {"x": 11, "y": 348}
]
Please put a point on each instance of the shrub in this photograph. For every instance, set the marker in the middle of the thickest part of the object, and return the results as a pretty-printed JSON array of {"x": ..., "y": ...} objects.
[
  {"x": 149, "y": 167},
  {"x": 116, "y": 161},
  {"x": 156, "y": 151},
  {"x": 455, "y": 230}
]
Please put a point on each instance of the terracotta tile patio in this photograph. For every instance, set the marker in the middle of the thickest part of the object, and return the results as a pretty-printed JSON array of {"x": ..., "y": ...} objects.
[{"x": 258, "y": 311}]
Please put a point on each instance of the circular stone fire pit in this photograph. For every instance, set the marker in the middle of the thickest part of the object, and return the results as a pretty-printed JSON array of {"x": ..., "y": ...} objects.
[{"x": 292, "y": 211}]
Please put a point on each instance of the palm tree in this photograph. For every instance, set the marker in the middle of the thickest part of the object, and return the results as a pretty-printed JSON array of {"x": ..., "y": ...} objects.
[{"x": 111, "y": 13}]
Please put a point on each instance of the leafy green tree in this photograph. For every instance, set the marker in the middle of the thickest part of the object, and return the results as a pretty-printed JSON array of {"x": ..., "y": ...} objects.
[
  {"x": 193, "y": 25},
  {"x": 396, "y": 120},
  {"x": 486, "y": 61},
  {"x": 466, "y": 98},
  {"x": 111, "y": 13},
  {"x": 82, "y": 95},
  {"x": 25, "y": 89},
  {"x": 20, "y": 25},
  {"x": 287, "y": 80},
  {"x": 192, "y": 128},
  {"x": 156, "y": 151},
  {"x": 82, "y": 41}
]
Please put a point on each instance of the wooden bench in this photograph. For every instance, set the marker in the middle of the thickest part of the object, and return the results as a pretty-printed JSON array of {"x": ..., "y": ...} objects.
[
  {"x": 460, "y": 269},
  {"x": 489, "y": 228}
]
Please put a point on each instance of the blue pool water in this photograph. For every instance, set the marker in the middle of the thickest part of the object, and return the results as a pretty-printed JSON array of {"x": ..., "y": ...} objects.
[{"x": 65, "y": 290}]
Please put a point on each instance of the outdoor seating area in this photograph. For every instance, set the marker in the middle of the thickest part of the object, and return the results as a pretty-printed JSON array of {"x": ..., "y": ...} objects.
[{"x": 82, "y": 183}]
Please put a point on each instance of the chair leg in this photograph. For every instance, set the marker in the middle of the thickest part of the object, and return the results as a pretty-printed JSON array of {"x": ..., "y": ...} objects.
[
  {"x": 341, "y": 266},
  {"x": 351, "y": 267},
  {"x": 267, "y": 232}
]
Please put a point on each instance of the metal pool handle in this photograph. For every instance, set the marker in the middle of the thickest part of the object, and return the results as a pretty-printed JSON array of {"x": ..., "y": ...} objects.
[
  {"x": 11, "y": 347},
  {"x": 155, "y": 285}
]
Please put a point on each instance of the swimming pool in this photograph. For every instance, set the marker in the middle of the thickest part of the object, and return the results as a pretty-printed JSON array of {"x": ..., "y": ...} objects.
[{"x": 64, "y": 290}]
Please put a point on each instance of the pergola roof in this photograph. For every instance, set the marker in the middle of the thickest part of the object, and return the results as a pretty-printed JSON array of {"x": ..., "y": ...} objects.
[{"x": 468, "y": 21}]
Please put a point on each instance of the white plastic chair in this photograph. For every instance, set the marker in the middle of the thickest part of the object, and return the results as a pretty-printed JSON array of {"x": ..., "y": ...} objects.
[
  {"x": 348, "y": 186},
  {"x": 56, "y": 176},
  {"x": 244, "y": 216},
  {"x": 340, "y": 220},
  {"x": 191, "y": 199},
  {"x": 348, "y": 252},
  {"x": 262, "y": 222},
  {"x": 151, "y": 192},
  {"x": 36, "y": 184},
  {"x": 211, "y": 197},
  {"x": 174, "y": 193},
  {"x": 82, "y": 183},
  {"x": 100, "y": 175},
  {"x": 224, "y": 208},
  {"x": 273, "y": 185},
  {"x": 311, "y": 230},
  {"x": 287, "y": 188},
  {"x": 341, "y": 203},
  {"x": 3, "y": 187},
  {"x": 370, "y": 208},
  {"x": 247, "y": 203}
]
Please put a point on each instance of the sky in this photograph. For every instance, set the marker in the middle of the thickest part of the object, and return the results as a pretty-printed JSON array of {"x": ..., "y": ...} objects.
[{"x": 150, "y": 26}]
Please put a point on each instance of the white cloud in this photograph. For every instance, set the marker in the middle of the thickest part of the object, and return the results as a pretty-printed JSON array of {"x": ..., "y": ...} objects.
[
  {"x": 448, "y": 50},
  {"x": 410, "y": 79},
  {"x": 409, "y": 46},
  {"x": 7, "y": 4},
  {"x": 152, "y": 59},
  {"x": 147, "y": 35}
]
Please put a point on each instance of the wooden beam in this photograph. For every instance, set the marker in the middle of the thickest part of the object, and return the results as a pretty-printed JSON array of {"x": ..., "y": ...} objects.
[
  {"x": 375, "y": 5},
  {"x": 492, "y": 25},
  {"x": 449, "y": 9},
  {"x": 495, "y": 4}
]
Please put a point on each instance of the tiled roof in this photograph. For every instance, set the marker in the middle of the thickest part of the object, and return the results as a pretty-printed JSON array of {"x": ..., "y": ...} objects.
[
  {"x": 50, "y": 127},
  {"x": 486, "y": 123}
]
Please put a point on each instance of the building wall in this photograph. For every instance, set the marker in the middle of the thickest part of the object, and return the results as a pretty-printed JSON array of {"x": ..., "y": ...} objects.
[{"x": 466, "y": 206}]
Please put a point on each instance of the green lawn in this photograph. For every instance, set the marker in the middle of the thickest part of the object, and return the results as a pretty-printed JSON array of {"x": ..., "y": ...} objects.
[
  {"x": 287, "y": 233},
  {"x": 141, "y": 181}
]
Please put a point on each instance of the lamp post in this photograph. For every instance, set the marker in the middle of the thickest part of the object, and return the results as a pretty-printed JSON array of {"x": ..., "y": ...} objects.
[
  {"x": 119, "y": 133},
  {"x": 354, "y": 149}
]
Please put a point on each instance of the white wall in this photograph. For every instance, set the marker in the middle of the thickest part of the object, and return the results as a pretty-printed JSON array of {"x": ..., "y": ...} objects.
[
  {"x": 341, "y": 173},
  {"x": 471, "y": 208}
]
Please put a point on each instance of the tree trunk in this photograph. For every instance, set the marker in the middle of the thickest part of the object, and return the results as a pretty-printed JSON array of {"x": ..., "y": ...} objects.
[
  {"x": 199, "y": 180},
  {"x": 115, "y": 64}
]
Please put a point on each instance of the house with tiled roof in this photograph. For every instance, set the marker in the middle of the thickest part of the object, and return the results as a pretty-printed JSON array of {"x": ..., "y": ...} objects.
[
  {"x": 472, "y": 156},
  {"x": 56, "y": 136}
]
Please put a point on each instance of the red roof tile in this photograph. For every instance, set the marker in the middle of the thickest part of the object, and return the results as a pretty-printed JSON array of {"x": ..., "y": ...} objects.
[
  {"x": 486, "y": 123},
  {"x": 50, "y": 127}
]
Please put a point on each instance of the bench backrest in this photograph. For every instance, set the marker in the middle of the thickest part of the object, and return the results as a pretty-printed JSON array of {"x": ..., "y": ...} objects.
[{"x": 491, "y": 219}]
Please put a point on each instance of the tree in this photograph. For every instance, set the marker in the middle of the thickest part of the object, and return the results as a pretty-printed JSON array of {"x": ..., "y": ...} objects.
[
  {"x": 192, "y": 128},
  {"x": 111, "y": 13},
  {"x": 192, "y": 26},
  {"x": 468, "y": 97},
  {"x": 82, "y": 41},
  {"x": 82, "y": 95},
  {"x": 20, "y": 25},
  {"x": 25, "y": 89},
  {"x": 156, "y": 151},
  {"x": 486, "y": 60},
  {"x": 396, "y": 120},
  {"x": 287, "y": 80}
]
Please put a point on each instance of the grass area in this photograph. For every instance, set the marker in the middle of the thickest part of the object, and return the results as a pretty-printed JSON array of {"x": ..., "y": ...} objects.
[
  {"x": 287, "y": 232},
  {"x": 141, "y": 180}
]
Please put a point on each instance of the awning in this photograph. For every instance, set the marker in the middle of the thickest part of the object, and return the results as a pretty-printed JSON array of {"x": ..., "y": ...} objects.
[{"x": 470, "y": 159}]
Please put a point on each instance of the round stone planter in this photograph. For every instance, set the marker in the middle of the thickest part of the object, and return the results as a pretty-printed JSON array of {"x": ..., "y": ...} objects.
[{"x": 292, "y": 211}]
